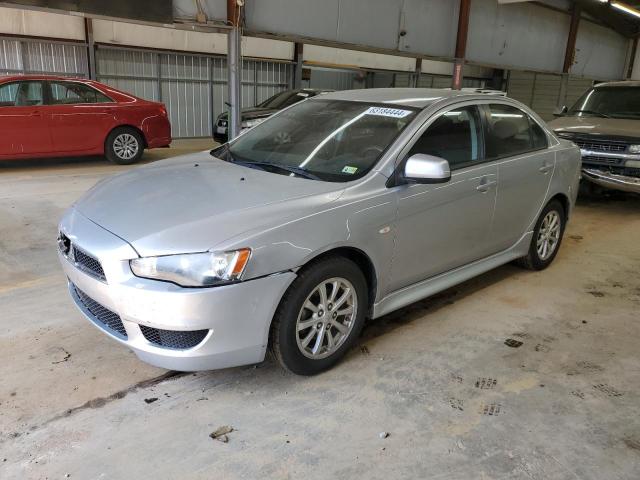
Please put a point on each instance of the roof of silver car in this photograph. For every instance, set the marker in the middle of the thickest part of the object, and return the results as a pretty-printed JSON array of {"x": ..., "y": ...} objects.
[{"x": 411, "y": 97}]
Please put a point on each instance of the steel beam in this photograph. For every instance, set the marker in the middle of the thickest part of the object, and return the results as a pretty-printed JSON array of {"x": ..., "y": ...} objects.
[
  {"x": 298, "y": 60},
  {"x": 91, "y": 47},
  {"x": 416, "y": 74},
  {"x": 234, "y": 67},
  {"x": 570, "y": 51},
  {"x": 461, "y": 43}
]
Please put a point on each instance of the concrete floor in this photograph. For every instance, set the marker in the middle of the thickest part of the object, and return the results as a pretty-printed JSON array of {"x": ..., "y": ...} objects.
[{"x": 456, "y": 401}]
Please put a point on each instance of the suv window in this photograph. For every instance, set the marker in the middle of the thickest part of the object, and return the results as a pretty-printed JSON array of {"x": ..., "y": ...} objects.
[
  {"x": 454, "y": 136},
  {"x": 69, "y": 93},
  {"x": 510, "y": 131},
  {"x": 21, "y": 94}
]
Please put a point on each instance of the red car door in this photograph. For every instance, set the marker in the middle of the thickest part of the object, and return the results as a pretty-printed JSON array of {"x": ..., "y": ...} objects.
[
  {"x": 79, "y": 116},
  {"x": 23, "y": 127}
]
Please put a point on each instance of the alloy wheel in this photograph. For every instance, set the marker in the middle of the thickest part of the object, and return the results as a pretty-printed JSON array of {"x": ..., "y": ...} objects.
[
  {"x": 549, "y": 235},
  {"x": 125, "y": 146},
  {"x": 326, "y": 318}
]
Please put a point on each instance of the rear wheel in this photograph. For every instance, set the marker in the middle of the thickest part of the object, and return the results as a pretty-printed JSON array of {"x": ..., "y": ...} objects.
[
  {"x": 124, "y": 146},
  {"x": 320, "y": 316},
  {"x": 547, "y": 236}
]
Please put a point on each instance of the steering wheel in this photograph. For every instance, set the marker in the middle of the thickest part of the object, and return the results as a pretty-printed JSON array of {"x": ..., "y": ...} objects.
[{"x": 371, "y": 151}]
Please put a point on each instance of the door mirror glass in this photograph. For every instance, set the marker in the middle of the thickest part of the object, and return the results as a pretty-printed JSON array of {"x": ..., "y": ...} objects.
[
  {"x": 423, "y": 168},
  {"x": 560, "y": 111}
]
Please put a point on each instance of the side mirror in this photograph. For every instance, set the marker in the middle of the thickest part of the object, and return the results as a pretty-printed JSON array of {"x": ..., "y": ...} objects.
[
  {"x": 421, "y": 168},
  {"x": 559, "y": 111}
]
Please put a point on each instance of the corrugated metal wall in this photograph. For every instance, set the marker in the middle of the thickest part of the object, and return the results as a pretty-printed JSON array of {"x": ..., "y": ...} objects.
[
  {"x": 193, "y": 87},
  {"x": 26, "y": 56},
  {"x": 541, "y": 91},
  {"x": 334, "y": 79}
]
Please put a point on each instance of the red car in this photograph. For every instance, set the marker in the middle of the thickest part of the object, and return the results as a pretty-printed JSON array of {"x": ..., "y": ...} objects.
[{"x": 46, "y": 116}]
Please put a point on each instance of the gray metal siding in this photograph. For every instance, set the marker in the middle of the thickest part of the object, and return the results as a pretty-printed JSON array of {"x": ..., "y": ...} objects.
[
  {"x": 26, "y": 56},
  {"x": 192, "y": 87},
  {"x": 542, "y": 91},
  {"x": 520, "y": 35}
]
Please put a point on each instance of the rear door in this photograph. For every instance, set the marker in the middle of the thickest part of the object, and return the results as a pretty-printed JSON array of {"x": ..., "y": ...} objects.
[
  {"x": 23, "y": 128},
  {"x": 525, "y": 167},
  {"x": 79, "y": 116}
]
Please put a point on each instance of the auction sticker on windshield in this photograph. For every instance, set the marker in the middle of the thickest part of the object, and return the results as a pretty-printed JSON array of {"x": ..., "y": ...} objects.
[
  {"x": 349, "y": 170},
  {"x": 387, "y": 112}
]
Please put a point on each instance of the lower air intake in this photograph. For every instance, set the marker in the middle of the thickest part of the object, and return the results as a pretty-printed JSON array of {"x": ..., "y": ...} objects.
[{"x": 173, "y": 338}]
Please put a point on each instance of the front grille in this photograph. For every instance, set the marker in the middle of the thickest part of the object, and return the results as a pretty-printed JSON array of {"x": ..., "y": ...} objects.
[
  {"x": 110, "y": 320},
  {"x": 80, "y": 259},
  {"x": 172, "y": 338},
  {"x": 603, "y": 146},
  {"x": 602, "y": 160},
  {"x": 87, "y": 263}
]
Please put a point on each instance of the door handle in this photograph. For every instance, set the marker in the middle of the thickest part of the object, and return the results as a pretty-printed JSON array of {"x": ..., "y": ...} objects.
[
  {"x": 546, "y": 168},
  {"x": 485, "y": 186}
]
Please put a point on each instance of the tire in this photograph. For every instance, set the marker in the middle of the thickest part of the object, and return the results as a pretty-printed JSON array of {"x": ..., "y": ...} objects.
[
  {"x": 124, "y": 146},
  {"x": 296, "y": 327},
  {"x": 539, "y": 260}
]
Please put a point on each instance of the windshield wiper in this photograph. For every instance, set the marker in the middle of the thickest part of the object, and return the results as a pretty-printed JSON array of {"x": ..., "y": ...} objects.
[
  {"x": 592, "y": 112},
  {"x": 286, "y": 168}
]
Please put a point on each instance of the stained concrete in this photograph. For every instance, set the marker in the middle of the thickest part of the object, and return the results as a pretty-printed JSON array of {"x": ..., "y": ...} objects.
[{"x": 457, "y": 402}]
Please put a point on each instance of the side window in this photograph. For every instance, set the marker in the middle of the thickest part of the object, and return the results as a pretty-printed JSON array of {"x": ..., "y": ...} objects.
[
  {"x": 8, "y": 93},
  {"x": 510, "y": 131},
  {"x": 538, "y": 137},
  {"x": 454, "y": 136},
  {"x": 21, "y": 94},
  {"x": 69, "y": 93}
]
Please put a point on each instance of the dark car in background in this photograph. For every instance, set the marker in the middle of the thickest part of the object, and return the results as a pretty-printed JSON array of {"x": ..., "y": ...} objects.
[
  {"x": 252, "y": 116},
  {"x": 605, "y": 124}
]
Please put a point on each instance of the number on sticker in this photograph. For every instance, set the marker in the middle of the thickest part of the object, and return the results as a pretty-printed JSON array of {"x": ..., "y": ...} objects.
[{"x": 388, "y": 112}]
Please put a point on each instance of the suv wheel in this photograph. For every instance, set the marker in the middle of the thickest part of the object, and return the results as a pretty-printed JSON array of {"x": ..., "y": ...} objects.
[
  {"x": 547, "y": 237},
  {"x": 124, "y": 146},
  {"x": 320, "y": 316}
]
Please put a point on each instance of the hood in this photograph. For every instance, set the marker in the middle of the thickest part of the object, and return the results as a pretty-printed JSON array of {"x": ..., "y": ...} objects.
[
  {"x": 250, "y": 113},
  {"x": 609, "y": 127},
  {"x": 193, "y": 203}
]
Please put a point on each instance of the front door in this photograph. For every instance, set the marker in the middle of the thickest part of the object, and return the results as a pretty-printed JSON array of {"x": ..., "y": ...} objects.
[
  {"x": 442, "y": 226},
  {"x": 23, "y": 128}
]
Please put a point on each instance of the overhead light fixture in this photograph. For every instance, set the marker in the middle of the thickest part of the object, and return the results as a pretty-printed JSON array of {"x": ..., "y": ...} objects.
[{"x": 626, "y": 9}]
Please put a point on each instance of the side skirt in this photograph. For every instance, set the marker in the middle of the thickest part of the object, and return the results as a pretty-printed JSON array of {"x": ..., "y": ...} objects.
[{"x": 426, "y": 288}]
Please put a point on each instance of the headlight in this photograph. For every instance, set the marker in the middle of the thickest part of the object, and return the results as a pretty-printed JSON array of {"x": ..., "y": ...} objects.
[
  {"x": 252, "y": 123},
  {"x": 634, "y": 148},
  {"x": 194, "y": 269}
]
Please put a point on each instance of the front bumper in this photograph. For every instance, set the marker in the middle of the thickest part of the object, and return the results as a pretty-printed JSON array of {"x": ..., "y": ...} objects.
[
  {"x": 611, "y": 180},
  {"x": 236, "y": 316}
]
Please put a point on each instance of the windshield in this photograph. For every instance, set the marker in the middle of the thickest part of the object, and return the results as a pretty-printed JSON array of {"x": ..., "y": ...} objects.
[
  {"x": 609, "y": 102},
  {"x": 284, "y": 99},
  {"x": 330, "y": 140}
]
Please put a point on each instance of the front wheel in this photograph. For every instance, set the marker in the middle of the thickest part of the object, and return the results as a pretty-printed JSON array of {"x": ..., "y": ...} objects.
[
  {"x": 124, "y": 146},
  {"x": 547, "y": 236},
  {"x": 320, "y": 316}
]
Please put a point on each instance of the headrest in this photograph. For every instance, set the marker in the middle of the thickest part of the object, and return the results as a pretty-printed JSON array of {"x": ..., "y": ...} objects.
[{"x": 505, "y": 129}]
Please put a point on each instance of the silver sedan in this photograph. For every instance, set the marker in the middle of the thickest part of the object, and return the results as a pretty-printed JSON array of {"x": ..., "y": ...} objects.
[{"x": 338, "y": 209}]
